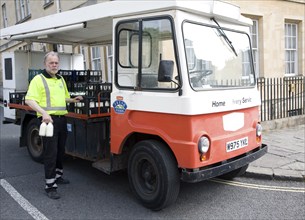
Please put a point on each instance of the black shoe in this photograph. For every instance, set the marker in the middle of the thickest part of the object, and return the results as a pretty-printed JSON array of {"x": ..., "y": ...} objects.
[
  {"x": 61, "y": 180},
  {"x": 53, "y": 194}
]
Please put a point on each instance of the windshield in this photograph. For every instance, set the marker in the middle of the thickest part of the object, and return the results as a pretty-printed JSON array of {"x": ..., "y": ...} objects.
[{"x": 217, "y": 58}]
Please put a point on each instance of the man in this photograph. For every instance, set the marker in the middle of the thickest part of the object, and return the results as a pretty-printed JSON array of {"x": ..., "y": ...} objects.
[{"x": 47, "y": 95}]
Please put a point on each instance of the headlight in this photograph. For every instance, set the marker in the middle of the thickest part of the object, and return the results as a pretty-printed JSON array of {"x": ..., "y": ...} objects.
[
  {"x": 203, "y": 145},
  {"x": 259, "y": 130}
]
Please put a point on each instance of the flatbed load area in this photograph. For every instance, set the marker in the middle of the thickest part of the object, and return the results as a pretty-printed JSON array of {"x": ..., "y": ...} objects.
[{"x": 88, "y": 122}]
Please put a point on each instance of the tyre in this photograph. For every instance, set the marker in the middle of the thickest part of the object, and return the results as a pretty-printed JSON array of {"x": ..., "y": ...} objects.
[
  {"x": 34, "y": 141},
  {"x": 235, "y": 173},
  {"x": 153, "y": 174}
]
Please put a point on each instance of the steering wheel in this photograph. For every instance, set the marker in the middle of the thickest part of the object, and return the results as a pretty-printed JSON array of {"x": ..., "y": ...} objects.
[{"x": 197, "y": 75}]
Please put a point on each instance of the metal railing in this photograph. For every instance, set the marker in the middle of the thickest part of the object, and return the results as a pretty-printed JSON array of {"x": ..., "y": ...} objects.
[{"x": 281, "y": 97}]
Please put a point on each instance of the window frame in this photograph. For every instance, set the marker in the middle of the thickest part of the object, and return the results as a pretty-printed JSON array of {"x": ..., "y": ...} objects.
[
  {"x": 47, "y": 3},
  {"x": 133, "y": 33},
  {"x": 22, "y": 10},
  {"x": 291, "y": 46},
  {"x": 109, "y": 49},
  {"x": 95, "y": 59},
  {"x": 83, "y": 52},
  {"x": 4, "y": 15},
  {"x": 140, "y": 73},
  {"x": 251, "y": 66},
  {"x": 254, "y": 33}
]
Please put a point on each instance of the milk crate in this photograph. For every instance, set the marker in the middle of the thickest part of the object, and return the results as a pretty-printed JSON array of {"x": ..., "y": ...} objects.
[
  {"x": 96, "y": 99},
  {"x": 17, "y": 97}
]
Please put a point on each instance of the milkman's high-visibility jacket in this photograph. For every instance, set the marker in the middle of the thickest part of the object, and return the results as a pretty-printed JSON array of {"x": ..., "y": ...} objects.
[{"x": 49, "y": 93}]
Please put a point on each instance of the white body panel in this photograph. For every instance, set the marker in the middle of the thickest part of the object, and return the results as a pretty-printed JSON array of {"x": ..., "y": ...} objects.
[
  {"x": 7, "y": 112},
  {"x": 22, "y": 61},
  {"x": 196, "y": 103},
  {"x": 191, "y": 102},
  {"x": 15, "y": 70}
]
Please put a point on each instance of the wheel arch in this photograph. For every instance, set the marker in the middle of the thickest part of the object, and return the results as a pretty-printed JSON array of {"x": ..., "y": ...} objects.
[{"x": 135, "y": 137}]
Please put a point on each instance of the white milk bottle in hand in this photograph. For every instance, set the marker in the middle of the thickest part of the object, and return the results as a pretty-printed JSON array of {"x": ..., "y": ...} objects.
[
  {"x": 50, "y": 129},
  {"x": 43, "y": 129}
]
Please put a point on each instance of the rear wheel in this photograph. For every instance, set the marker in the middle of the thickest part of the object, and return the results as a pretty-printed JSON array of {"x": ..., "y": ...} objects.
[
  {"x": 34, "y": 141},
  {"x": 235, "y": 173},
  {"x": 153, "y": 174}
]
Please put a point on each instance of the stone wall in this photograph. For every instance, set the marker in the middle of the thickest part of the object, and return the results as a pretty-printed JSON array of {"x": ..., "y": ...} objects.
[{"x": 283, "y": 123}]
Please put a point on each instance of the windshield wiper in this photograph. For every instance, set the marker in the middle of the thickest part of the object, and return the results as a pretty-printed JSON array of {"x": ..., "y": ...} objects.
[{"x": 225, "y": 37}]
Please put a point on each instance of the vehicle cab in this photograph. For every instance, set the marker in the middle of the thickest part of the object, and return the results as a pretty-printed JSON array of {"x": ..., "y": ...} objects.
[{"x": 185, "y": 76}]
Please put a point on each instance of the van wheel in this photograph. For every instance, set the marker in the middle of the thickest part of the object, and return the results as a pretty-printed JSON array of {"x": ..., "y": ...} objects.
[
  {"x": 153, "y": 174},
  {"x": 235, "y": 173},
  {"x": 34, "y": 141}
]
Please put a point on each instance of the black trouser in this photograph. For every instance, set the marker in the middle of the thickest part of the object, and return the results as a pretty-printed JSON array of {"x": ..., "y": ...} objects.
[{"x": 54, "y": 150}]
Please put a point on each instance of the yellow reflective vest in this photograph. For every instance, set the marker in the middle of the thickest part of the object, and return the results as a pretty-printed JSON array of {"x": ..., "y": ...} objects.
[{"x": 50, "y": 93}]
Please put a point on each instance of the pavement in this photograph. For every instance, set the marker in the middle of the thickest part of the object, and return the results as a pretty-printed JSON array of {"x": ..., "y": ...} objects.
[{"x": 285, "y": 158}]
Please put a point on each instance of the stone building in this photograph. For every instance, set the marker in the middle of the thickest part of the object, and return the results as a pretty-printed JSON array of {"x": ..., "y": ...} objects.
[{"x": 278, "y": 35}]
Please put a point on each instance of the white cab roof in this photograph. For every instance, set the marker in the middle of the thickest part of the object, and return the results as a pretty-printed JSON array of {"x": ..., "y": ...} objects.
[{"x": 93, "y": 24}]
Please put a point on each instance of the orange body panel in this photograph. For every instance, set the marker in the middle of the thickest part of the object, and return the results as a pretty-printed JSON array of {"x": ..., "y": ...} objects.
[{"x": 182, "y": 132}]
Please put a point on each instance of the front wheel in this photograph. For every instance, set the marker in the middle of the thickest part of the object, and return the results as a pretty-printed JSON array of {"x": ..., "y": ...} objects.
[
  {"x": 153, "y": 174},
  {"x": 34, "y": 141}
]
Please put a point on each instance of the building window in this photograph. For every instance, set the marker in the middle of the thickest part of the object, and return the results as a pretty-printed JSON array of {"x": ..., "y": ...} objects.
[
  {"x": 246, "y": 64},
  {"x": 43, "y": 47},
  {"x": 83, "y": 52},
  {"x": 190, "y": 54},
  {"x": 47, "y": 3},
  {"x": 254, "y": 42},
  {"x": 291, "y": 51},
  {"x": 22, "y": 9},
  {"x": 4, "y": 16},
  {"x": 60, "y": 48},
  {"x": 109, "y": 62},
  {"x": 96, "y": 58}
]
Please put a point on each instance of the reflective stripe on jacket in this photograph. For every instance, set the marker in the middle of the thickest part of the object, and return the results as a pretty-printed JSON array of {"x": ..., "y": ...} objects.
[{"x": 48, "y": 96}]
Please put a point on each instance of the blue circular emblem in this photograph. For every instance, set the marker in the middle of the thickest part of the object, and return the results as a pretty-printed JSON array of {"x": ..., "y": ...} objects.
[{"x": 119, "y": 106}]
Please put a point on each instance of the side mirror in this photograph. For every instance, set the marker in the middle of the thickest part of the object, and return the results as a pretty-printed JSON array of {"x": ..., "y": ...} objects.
[{"x": 166, "y": 70}]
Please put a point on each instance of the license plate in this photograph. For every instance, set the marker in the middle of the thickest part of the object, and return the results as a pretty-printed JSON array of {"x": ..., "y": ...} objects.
[{"x": 236, "y": 144}]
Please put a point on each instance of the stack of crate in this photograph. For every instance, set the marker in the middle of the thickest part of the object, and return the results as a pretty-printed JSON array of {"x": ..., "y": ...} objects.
[
  {"x": 87, "y": 83},
  {"x": 17, "y": 97}
]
